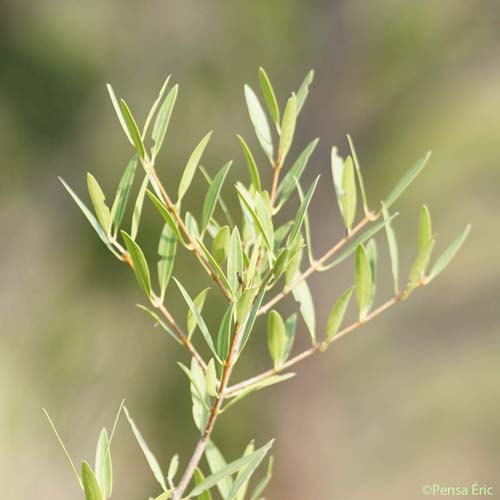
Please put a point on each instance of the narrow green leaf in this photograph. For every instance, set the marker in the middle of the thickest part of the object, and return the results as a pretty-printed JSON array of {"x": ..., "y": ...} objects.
[
  {"x": 214, "y": 264},
  {"x": 118, "y": 112},
  {"x": 90, "y": 217},
  {"x": 244, "y": 475},
  {"x": 371, "y": 251},
  {"x": 424, "y": 228},
  {"x": 270, "y": 97},
  {"x": 363, "y": 280},
  {"x": 213, "y": 195},
  {"x": 191, "y": 166},
  {"x": 262, "y": 484},
  {"x": 307, "y": 228},
  {"x": 199, "y": 319},
  {"x": 287, "y": 185},
  {"x": 165, "y": 213},
  {"x": 201, "y": 409},
  {"x": 249, "y": 205},
  {"x": 259, "y": 122},
  {"x": 252, "y": 166},
  {"x": 263, "y": 212},
  {"x": 103, "y": 467},
  {"x": 173, "y": 468},
  {"x": 349, "y": 198},
  {"x": 151, "y": 459},
  {"x": 217, "y": 462},
  {"x": 257, "y": 386},
  {"x": 359, "y": 175},
  {"x": 200, "y": 388},
  {"x": 167, "y": 249},
  {"x": 199, "y": 302},
  {"x": 192, "y": 225},
  {"x": 159, "y": 321},
  {"x": 220, "y": 245},
  {"x": 448, "y": 254},
  {"x": 303, "y": 296},
  {"x": 198, "y": 478},
  {"x": 337, "y": 166},
  {"x": 98, "y": 201},
  {"x": 290, "y": 325},
  {"x": 229, "y": 470},
  {"x": 222, "y": 203},
  {"x": 234, "y": 261},
  {"x": 240, "y": 494},
  {"x": 224, "y": 335},
  {"x": 139, "y": 202},
  {"x": 276, "y": 337},
  {"x": 211, "y": 379},
  {"x": 294, "y": 261},
  {"x": 66, "y": 453},
  {"x": 163, "y": 119},
  {"x": 303, "y": 91},
  {"x": 393, "y": 248},
  {"x": 141, "y": 268},
  {"x": 252, "y": 315},
  {"x": 132, "y": 128},
  {"x": 288, "y": 127},
  {"x": 337, "y": 314},
  {"x": 90, "y": 484},
  {"x": 405, "y": 182},
  {"x": 122, "y": 194},
  {"x": 299, "y": 218},
  {"x": 417, "y": 272},
  {"x": 154, "y": 107}
]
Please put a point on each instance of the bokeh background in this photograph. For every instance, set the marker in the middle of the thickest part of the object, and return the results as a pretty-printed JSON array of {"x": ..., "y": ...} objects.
[{"x": 413, "y": 398}]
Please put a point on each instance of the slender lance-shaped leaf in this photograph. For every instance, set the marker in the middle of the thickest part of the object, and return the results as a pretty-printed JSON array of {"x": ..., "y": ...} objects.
[
  {"x": 448, "y": 254},
  {"x": 363, "y": 280},
  {"x": 214, "y": 264},
  {"x": 259, "y": 122},
  {"x": 303, "y": 91},
  {"x": 262, "y": 484},
  {"x": 371, "y": 251},
  {"x": 417, "y": 272},
  {"x": 90, "y": 484},
  {"x": 163, "y": 119},
  {"x": 228, "y": 470},
  {"x": 103, "y": 467},
  {"x": 234, "y": 260},
  {"x": 159, "y": 321},
  {"x": 393, "y": 248},
  {"x": 122, "y": 194},
  {"x": 167, "y": 248},
  {"x": 66, "y": 453},
  {"x": 213, "y": 195},
  {"x": 132, "y": 128},
  {"x": 408, "y": 178},
  {"x": 349, "y": 199},
  {"x": 217, "y": 462},
  {"x": 263, "y": 212},
  {"x": 299, "y": 219},
  {"x": 424, "y": 228},
  {"x": 154, "y": 107},
  {"x": 118, "y": 112},
  {"x": 290, "y": 325},
  {"x": 224, "y": 335},
  {"x": 287, "y": 128},
  {"x": 287, "y": 185},
  {"x": 139, "y": 202},
  {"x": 220, "y": 245},
  {"x": 240, "y": 494},
  {"x": 191, "y": 166},
  {"x": 199, "y": 302},
  {"x": 141, "y": 268},
  {"x": 198, "y": 478},
  {"x": 252, "y": 315},
  {"x": 98, "y": 201},
  {"x": 196, "y": 384},
  {"x": 337, "y": 314},
  {"x": 151, "y": 459},
  {"x": 211, "y": 379},
  {"x": 90, "y": 217},
  {"x": 302, "y": 295},
  {"x": 270, "y": 97},
  {"x": 252, "y": 166},
  {"x": 199, "y": 319},
  {"x": 276, "y": 337},
  {"x": 165, "y": 213},
  {"x": 359, "y": 175},
  {"x": 173, "y": 468}
]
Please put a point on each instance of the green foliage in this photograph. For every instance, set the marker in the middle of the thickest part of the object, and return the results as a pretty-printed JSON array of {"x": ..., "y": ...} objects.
[{"x": 249, "y": 260}]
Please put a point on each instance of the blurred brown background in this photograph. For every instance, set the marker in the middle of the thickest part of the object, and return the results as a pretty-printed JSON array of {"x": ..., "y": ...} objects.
[{"x": 413, "y": 398}]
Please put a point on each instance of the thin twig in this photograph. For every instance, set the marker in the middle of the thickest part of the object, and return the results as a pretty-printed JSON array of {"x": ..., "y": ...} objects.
[
  {"x": 317, "y": 263},
  {"x": 276, "y": 176},
  {"x": 318, "y": 347}
]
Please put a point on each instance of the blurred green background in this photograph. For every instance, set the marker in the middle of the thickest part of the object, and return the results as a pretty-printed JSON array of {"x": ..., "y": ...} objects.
[{"x": 413, "y": 398}]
